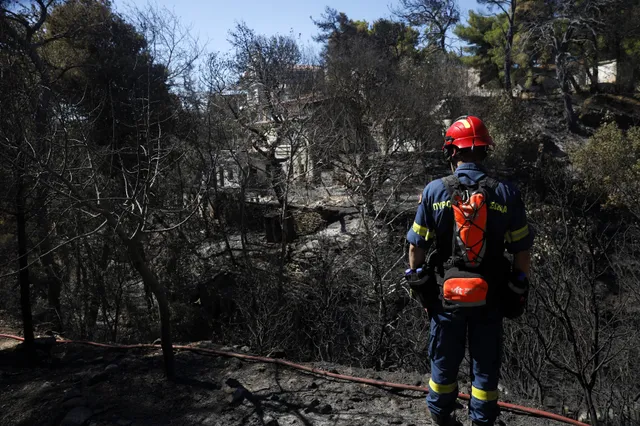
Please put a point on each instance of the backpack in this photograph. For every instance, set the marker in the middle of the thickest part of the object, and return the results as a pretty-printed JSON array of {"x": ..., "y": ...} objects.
[{"x": 466, "y": 279}]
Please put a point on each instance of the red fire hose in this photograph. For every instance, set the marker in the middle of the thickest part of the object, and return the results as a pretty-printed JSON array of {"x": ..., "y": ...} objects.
[{"x": 511, "y": 407}]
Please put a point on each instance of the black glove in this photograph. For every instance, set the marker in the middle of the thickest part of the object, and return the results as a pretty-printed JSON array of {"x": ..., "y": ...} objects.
[
  {"x": 515, "y": 295},
  {"x": 422, "y": 286}
]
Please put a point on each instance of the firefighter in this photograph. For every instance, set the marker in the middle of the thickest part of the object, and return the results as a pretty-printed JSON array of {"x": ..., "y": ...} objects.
[{"x": 453, "y": 323}]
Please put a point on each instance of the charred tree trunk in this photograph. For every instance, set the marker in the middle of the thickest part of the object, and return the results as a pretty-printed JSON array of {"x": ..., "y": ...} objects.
[
  {"x": 243, "y": 221},
  {"x": 279, "y": 186},
  {"x": 277, "y": 180},
  {"x": 222, "y": 226},
  {"x": 575, "y": 85},
  {"x": 443, "y": 38},
  {"x": 150, "y": 280},
  {"x": 23, "y": 264},
  {"x": 367, "y": 188},
  {"x": 286, "y": 219},
  {"x": 54, "y": 281},
  {"x": 98, "y": 293},
  {"x": 594, "y": 88},
  {"x": 135, "y": 250},
  {"x": 88, "y": 292},
  {"x": 508, "y": 48},
  {"x": 41, "y": 121},
  {"x": 591, "y": 407},
  {"x": 563, "y": 81},
  {"x": 40, "y": 104},
  {"x": 314, "y": 161}
]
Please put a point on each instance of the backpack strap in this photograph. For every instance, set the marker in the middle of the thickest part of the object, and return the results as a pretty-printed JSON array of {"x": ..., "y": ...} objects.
[
  {"x": 451, "y": 184},
  {"x": 489, "y": 182}
]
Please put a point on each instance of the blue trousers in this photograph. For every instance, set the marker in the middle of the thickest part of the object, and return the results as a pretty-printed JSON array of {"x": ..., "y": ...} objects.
[{"x": 449, "y": 333}]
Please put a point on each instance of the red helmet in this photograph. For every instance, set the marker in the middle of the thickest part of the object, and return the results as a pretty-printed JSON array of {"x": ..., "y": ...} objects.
[{"x": 467, "y": 131}]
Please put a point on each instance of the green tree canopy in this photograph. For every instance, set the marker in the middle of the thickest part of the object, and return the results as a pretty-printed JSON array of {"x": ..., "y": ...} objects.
[
  {"x": 486, "y": 49},
  {"x": 341, "y": 34},
  {"x": 482, "y": 35},
  {"x": 107, "y": 72}
]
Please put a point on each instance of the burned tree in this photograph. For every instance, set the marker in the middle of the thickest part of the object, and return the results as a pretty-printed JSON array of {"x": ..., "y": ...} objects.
[
  {"x": 436, "y": 17},
  {"x": 23, "y": 69},
  {"x": 557, "y": 28},
  {"x": 266, "y": 91},
  {"x": 104, "y": 149},
  {"x": 383, "y": 104}
]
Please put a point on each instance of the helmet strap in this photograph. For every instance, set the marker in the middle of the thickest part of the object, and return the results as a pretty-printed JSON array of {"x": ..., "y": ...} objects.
[
  {"x": 450, "y": 155},
  {"x": 449, "y": 152}
]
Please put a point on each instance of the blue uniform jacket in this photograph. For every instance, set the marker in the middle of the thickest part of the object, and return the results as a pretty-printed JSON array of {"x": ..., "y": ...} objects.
[{"x": 507, "y": 226}]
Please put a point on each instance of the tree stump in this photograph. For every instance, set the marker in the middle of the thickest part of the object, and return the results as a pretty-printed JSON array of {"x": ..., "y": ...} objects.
[{"x": 274, "y": 229}]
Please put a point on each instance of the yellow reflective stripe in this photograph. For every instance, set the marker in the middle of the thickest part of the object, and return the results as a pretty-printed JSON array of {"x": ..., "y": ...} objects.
[
  {"x": 519, "y": 234},
  {"x": 420, "y": 230},
  {"x": 442, "y": 388},
  {"x": 484, "y": 395},
  {"x": 423, "y": 231}
]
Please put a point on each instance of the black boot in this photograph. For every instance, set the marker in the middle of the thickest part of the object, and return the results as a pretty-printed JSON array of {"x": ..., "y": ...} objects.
[{"x": 449, "y": 420}]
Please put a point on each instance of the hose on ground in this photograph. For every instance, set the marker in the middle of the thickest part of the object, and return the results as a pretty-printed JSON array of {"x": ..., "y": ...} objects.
[{"x": 511, "y": 407}]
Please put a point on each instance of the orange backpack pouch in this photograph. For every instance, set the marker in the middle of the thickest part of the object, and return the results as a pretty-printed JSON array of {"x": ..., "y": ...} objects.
[{"x": 464, "y": 288}]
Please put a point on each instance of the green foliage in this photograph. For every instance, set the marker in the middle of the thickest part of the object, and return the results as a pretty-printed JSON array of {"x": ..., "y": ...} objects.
[
  {"x": 583, "y": 33},
  {"x": 609, "y": 165},
  {"x": 372, "y": 74},
  {"x": 486, "y": 49},
  {"x": 391, "y": 38},
  {"x": 107, "y": 72},
  {"x": 622, "y": 30},
  {"x": 399, "y": 38},
  {"x": 483, "y": 36}
]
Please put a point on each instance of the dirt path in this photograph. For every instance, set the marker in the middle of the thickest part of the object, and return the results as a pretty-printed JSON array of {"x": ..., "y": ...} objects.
[{"x": 87, "y": 386}]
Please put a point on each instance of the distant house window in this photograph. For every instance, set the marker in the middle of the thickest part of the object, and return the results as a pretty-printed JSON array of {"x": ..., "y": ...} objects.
[
  {"x": 230, "y": 174},
  {"x": 221, "y": 176}
]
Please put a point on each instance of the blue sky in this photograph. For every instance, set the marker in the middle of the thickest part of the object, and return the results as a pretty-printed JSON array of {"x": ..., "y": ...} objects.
[{"x": 212, "y": 19}]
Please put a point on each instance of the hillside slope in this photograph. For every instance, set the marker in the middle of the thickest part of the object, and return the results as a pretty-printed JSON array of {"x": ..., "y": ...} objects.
[{"x": 79, "y": 385}]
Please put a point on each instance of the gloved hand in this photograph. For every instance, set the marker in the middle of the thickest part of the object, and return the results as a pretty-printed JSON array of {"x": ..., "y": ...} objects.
[
  {"x": 422, "y": 286},
  {"x": 516, "y": 295},
  {"x": 519, "y": 283},
  {"x": 416, "y": 277}
]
